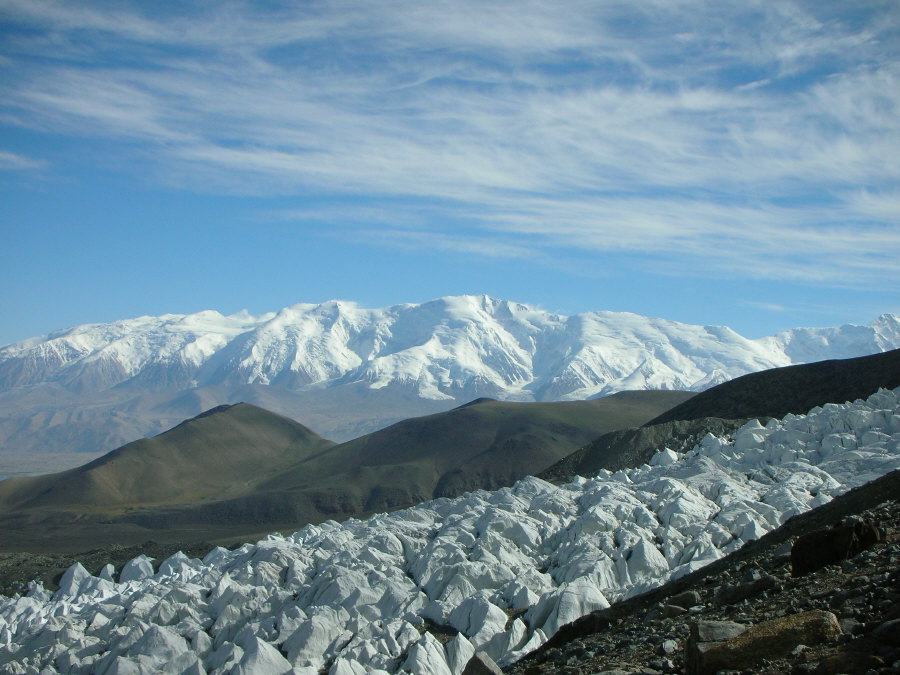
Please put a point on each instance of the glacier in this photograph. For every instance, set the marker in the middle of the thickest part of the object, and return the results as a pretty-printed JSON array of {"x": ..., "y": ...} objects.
[{"x": 498, "y": 571}]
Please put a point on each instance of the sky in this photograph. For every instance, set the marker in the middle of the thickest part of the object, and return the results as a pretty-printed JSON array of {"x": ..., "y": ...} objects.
[{"x": 716, "y": 163}]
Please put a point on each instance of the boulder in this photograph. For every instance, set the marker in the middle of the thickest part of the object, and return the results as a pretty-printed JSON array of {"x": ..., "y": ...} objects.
[
  {"x": 888, "y": 632},
  {"x": 715, "y": 631},
  {"x": 815, "y": 550},
  {"x": 729, "y": 595},
  {"x": 739, "y": 649},
  {"x": 481, "y": 664},
  {"x": 686, "y": 600},
  {"x": 848, "y": 663}
]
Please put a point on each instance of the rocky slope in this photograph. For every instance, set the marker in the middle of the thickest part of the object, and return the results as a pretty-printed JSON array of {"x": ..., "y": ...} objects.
[
  {"x": 792, "y": 389},
  {"x": 423, "y": 589},
  {"x": 752, "y": 587},
  {"x": 343, "y": 370}
]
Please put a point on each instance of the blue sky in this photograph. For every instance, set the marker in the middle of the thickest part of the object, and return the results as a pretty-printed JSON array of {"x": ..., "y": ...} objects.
[{"x": 710, "y": 162}]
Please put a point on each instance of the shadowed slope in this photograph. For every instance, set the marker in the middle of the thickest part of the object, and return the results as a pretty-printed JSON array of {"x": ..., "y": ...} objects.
[
  {"x": 485, "y": 444},
  {"x": 724, "y": 408},
  {"x": 793, "y": 389}
]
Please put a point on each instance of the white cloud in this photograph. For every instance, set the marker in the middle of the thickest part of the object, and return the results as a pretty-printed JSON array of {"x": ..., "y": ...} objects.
[
  {"x": 10, "y": 161},
  {"x": 701, "y": 133}
]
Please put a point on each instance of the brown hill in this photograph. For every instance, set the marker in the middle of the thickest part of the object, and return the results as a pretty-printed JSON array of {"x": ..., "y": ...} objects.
[{"x": 224, "y": 452}]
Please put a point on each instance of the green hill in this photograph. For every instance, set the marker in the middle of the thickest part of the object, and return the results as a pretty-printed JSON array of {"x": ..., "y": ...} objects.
[{"x": 224, "y": 452}]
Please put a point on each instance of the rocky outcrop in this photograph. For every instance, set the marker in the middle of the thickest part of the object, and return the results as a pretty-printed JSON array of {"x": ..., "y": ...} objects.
[
  {"x": 481, "y": 664},
  {"x": 817, "y": 549},
  {"x": 726, "y": 645}
]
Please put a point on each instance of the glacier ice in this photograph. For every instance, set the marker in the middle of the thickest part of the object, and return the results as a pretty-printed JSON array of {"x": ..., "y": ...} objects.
[{"x": 504, "y": 570}]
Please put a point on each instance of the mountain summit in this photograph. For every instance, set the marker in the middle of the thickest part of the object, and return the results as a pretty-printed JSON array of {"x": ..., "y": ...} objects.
[{"x": 345, "y": 370}]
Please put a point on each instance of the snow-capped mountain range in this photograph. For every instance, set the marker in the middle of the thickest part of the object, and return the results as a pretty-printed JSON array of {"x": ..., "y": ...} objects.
[
  {"x": 431, "y": 356},
  {"x": 447, "y": 348},
  {"x": 502, "y": 570}
]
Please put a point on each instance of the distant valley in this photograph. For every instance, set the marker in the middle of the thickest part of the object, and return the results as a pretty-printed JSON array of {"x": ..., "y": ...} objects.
[{"x": 345, "y": 371}]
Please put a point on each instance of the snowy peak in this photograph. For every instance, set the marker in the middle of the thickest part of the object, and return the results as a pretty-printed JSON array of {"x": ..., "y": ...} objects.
[
  {"x": 453, "y": 348},
  {"x": 843, "y": 342}
]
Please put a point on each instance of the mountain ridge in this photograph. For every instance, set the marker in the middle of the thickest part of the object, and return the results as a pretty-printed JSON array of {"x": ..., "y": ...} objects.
[
  {"x": 345, "y": 371},
  {"x": 337, "y": 341}
]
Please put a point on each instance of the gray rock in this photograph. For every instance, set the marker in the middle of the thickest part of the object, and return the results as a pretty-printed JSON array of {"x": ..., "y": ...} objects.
[
  {"x": 668, "y": 647},
  {"x": 751, "y": 575},
  {"x": 664, "y": 665},
  {"x": 729, "y": 595},
  {"x": 888, "y": 632},
  {"x": 685, "y": 600},
  {"x": 851, "y": 626},
  {"x": 783, "y": 551},
  {"x": 716, "y": 631},
  {"x": 798, "y": 650},
  {"x": 769, "y": 639},
  {"x": 481, "y": 664},
  {"x": 671, "y": 611}
]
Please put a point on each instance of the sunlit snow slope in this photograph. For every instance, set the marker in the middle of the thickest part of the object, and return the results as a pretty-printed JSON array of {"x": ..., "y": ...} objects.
[
  {"x": 448, "y": 348},
  {"x": 353, "y": 597},
  {"x": 345, "y": 371}
]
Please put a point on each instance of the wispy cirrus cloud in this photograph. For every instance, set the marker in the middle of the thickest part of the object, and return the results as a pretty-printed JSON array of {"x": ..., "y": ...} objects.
[
  {"x": 761, "y": 139},
  {"x": 10, "y": 161}
]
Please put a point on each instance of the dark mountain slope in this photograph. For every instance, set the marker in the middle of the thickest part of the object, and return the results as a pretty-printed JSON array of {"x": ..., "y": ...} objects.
[
  {"x": 240, "y": 471},
  {"x": 484, "y": 444},
  {"x": 724, "y": 408},
  {"x": 632, "y": 447},
  {"x": 793, "y": 389}
]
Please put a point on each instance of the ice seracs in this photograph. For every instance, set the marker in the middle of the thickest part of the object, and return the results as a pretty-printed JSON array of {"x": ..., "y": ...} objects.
[{"x": 502, "y": 570}]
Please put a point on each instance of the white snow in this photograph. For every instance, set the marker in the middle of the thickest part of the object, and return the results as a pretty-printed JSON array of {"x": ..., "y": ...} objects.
[
  {"x": 354, "y": 597},
  {"x": 452, "y": 348}
]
